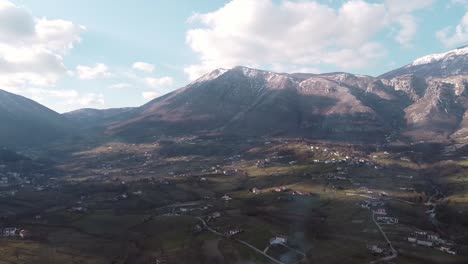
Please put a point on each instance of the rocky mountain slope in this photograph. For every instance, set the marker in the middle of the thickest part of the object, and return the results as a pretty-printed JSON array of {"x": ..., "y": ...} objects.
[
  {"x": 26, "y": 123},
  {"x": 423, "y": 101},
  {"x": 249, "y": 102},
  {"x": 436, "y": 85}
]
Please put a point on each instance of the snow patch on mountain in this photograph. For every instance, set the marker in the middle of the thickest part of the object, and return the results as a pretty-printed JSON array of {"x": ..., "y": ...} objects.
[
  {"x": 440, "y": 56},
  {"x": 211, "y": 76}
]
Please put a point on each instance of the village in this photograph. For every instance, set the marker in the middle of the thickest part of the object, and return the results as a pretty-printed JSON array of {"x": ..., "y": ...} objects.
[{"x": 256, "y": 201}]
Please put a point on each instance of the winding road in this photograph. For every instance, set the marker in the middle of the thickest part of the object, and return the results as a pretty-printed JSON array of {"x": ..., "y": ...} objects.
[
  {"x": 394, "y": 251},
  {"x": 249, "y": 245}
]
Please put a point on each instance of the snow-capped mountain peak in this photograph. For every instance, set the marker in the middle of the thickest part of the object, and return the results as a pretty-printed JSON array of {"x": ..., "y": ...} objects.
[
  {"x": 440, "y": 56},
  {"x": 211, "y": 76}
]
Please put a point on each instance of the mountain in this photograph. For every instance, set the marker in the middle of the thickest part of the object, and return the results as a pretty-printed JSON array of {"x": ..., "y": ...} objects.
[
  {"x": 438, "y": 113},
  {"x": 423, "y": 101},
  {"x": 26, "y": 123},
  {"x": 453, "y": 62},
  {"x": 88, "y": 118},
  {"x": 426, "y": 100},
  {"x": 250, "y": 102},
  {"x": 436, "y": 85}
]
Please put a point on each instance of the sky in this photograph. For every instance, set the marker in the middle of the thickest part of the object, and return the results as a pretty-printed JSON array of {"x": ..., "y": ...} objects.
[{"x": 69, "y": 54}]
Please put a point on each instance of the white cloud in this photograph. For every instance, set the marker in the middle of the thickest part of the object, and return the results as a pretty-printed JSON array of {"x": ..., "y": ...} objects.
[
  {"x": 150, "y": 95},
  {"x": 404, "y": 6},
  {"x": 58, "y": 34},
  {"x": 196, "y": 70},
  {"x": 100, "y": 70},
  {"x": 356, "y": 58},
  {"x": 159, "y": 82},
  {"x": 299, "y": 33},
  {"x": 143, "y": 66},
  {"x": 32, "y": 49},
  {"x": 463, "y": 3},
  {"x": 452, "y": 37},
  {"x": 16, "y": 24},
  {"x": 408, "y": 28},
  {"x": 32, "y": 54},
  {"x": 120, "y": 86},
  {"x": 401, "y": 13},
  {"x": 68, "y": 97}
]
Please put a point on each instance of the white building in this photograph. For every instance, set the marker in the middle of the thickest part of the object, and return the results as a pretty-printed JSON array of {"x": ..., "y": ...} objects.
[
  {"x": 226, "y": 198},
  {"x": 278, "y": 240}
]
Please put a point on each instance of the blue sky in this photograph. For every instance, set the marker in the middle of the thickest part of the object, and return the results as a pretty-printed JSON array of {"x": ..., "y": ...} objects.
[{"x": 84, "y": 52}]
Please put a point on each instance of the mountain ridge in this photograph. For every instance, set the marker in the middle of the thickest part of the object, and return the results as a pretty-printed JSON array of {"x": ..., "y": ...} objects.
[
  {"x": 418, "y": 102},
  {"x": 452, "y": 62},
  {"x": 28, "y": 122}
]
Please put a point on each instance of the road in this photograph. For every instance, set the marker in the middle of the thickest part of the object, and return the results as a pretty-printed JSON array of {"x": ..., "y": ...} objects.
[
  {"x": 208, "y": 227},
  {"x": 406, "y": 202},
  {"x": 260, "y": 252},
  {"x": 240, "y": 241},
  {"x": 432, "y": 202},
  {"x": 394, "y": 252},
  {"x": 192, "y": 203}
]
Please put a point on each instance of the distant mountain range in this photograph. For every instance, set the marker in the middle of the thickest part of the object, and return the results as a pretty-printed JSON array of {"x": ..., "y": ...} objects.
[
  {"x": 88, "y": 118},
  {"x": 422, "y": 101}
]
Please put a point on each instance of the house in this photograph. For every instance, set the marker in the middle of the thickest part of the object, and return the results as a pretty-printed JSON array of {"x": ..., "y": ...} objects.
[
  {"x": 24, "y": 234},
  {"x": 451, "y": 252},
  {"x": 429, "y": 239},
  {"x": 375, "y": 249},
  {"x": 78, "y": 209},
  {"x": 387, "y": 220},
  {"x": 433, "y": 237},
  {"x": 9, "y": 232},
  {"x": 363, "y": 204},
  {"x": 376, "y": 203},
  {"x": 226, "y": 198},
  {"x": 233, "y": 232},
  {"x": 279, "y": 240},
  {"x": 380, "y": 211},
  {"x": 255, "y": 191},
  {"x": 137, "y": 193},
  {"x": 4, "y": 181},
  {"x": 281, "y": 189},
  {"x": 262, "y": 163},
  {"x": 215, "y": 215},
  {"x": 447, "y": 250},
  {"x": 424, "y": 243},
  {"x": 369, "y": 204}
]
